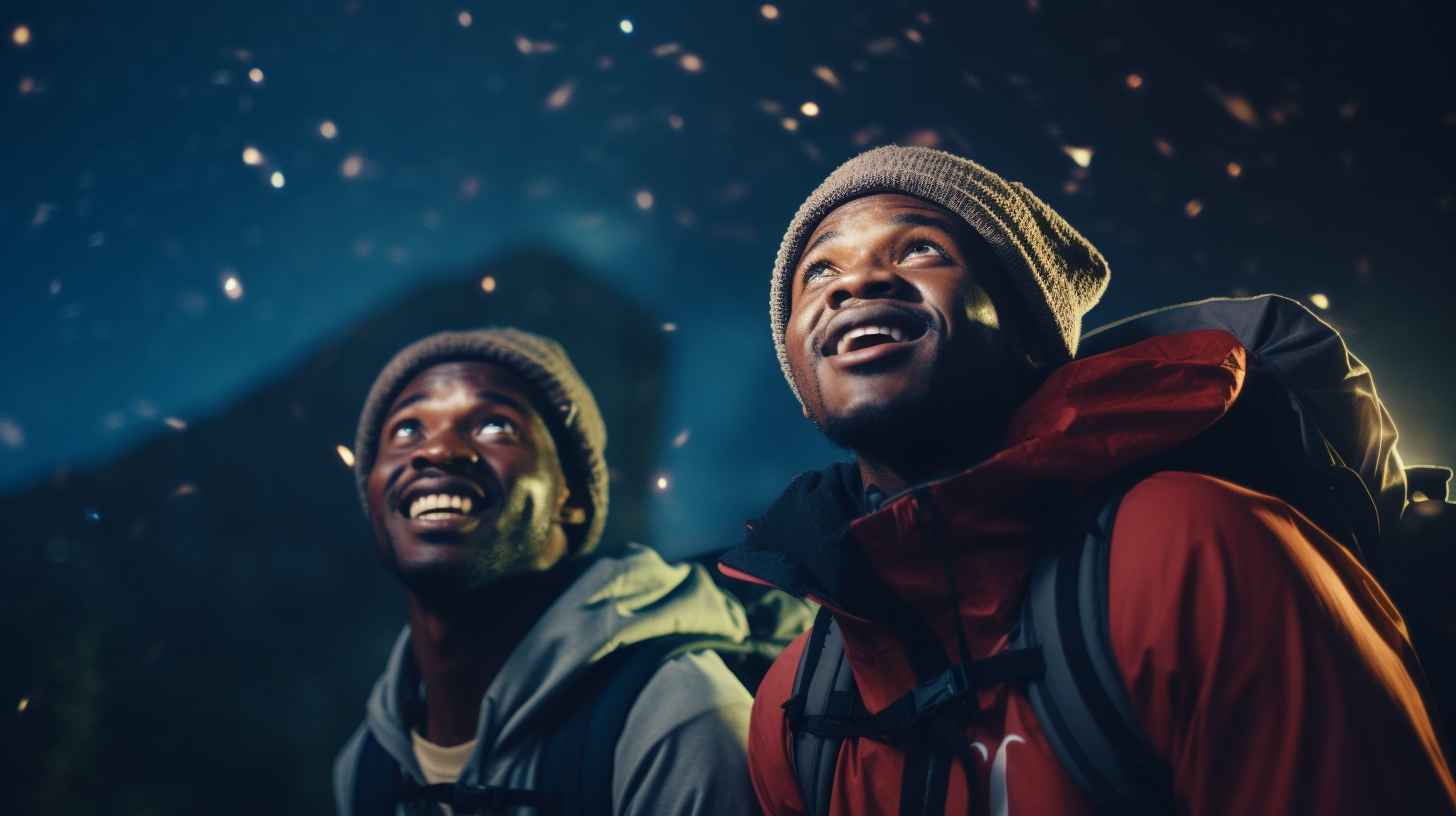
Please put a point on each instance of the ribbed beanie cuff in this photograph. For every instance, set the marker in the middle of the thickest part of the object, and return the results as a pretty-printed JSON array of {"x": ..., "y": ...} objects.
[
  {"x": 1057, "y": 272},
  {"x": 573, "y": 417}
]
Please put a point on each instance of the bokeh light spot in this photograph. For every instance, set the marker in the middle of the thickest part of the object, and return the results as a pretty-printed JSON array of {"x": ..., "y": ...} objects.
[
  {"x": 346, "y": 455},
  {"x": 643, "y": 199},
  {"x": 21, "y": 35},
  {"x": 276, "y": 179},
  {"x": 465, "y": 19},
  {"x": 256, "y": 75},
  {"x": 809, "y": 109},
  {"x": 769, "y": 11},
  {"x": 1320, "y": 301},
  {"x": 626, "y": 26},
  {"x": 1081, "y": 156},
  {"x": 328, "y": 130},
  {"x": 251, "y": 155},
  {"x": 487, "y": 283}
]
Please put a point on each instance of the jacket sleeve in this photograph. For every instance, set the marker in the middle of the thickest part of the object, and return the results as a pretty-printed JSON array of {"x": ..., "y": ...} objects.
[
  {"x": 770, "y": 752},
  {"x": 1263, "y": 662},
  {"x": 682, "y": 749}
]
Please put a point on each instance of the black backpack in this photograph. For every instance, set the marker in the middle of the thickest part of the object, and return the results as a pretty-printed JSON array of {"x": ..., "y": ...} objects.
[
  {"x": 1307, "y": 428},
  {"x": 577, "y": 759}
]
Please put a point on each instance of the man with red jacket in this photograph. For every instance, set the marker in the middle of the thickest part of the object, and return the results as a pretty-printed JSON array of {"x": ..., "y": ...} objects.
[{"x": 926, "y": 313}]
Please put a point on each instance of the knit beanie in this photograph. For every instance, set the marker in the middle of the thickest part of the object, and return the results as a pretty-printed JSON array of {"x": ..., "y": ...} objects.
[
  {"x": 1057, "y": 273},
  {"x": 572, "y": 415}
]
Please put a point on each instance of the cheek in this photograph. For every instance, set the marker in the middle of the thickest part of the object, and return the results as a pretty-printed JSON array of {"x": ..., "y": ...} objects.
[{"x": 979, "y": 310}]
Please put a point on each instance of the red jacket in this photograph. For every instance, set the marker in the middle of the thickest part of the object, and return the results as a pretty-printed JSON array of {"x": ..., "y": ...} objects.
[{"x": 1265, "y": 664}]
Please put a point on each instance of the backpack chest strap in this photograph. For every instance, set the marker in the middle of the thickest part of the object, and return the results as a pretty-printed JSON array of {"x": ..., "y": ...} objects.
[
  {"x": 954, "y": 690},
  {"x": 464, "y": 798}
]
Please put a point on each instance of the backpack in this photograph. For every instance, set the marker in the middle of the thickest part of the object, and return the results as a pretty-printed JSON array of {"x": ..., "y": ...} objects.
[
  {"x": 1307, "y": 428},
  {"x": 577, "y": 758}
]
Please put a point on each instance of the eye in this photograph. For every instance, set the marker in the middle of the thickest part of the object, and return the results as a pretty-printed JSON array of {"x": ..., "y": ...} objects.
[
  {"x": 497, "y": 426},
  {"x": 923, "y": 249},
  {"x": 406, "y": 431},
  {"x": 814, "y": 270}
]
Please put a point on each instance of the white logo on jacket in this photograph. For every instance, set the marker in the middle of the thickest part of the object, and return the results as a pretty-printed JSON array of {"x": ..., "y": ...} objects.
[{"x": 1000, "y": 805}]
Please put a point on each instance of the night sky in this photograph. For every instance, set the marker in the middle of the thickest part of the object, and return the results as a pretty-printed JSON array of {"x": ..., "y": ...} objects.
[{"x": 195, "y": 195}]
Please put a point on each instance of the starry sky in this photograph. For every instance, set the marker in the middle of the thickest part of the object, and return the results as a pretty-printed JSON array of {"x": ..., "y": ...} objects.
[{"x": 195, "y": 195}]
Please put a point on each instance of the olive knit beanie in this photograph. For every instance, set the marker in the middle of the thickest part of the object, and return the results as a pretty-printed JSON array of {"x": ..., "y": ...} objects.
[
  {"x": 1057, "y": 273},
  {"x": 572, "y": 414}
]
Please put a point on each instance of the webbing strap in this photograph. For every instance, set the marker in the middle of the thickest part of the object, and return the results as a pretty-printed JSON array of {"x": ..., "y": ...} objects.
[
  {"x": 953, "y": 691},
  {"x": 463, "y": 798}
]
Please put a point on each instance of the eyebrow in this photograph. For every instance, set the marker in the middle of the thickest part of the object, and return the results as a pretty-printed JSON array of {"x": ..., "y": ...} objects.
[
  {"x": 821, "y": 239},
  {"x": 406, "y": 402},
  {"x": 505, "y": 399}
]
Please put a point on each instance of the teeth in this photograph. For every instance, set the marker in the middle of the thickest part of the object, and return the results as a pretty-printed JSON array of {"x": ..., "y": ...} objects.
[
  {"x": 440, "y": 506},
  {"x": 860, "y": 331}
]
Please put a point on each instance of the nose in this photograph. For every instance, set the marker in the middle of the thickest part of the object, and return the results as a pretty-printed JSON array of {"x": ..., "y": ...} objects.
[
  {"x": 445, "y": 451},
  {"x": 867, "y": 280}
]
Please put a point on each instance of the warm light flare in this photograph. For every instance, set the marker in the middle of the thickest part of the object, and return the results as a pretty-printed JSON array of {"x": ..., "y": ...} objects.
[
  {"x": 1320, "y": 301},
  {"x": 251, "y": 155},
  {"x": 21, "y": 35},
  {"x": 232, "y": 287},
  {"x": 487, "y": 283},
  {"x": 1081, "y": 156},
  {"x": 276, "y": 179},
  {"x": 346, "y": 455},
  {"x": 256, "y": 75},
  {"x": 769, "y": 11},
  {"x": 809, "y": 109}
]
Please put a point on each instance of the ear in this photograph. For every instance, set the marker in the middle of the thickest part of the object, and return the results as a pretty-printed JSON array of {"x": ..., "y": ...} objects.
[
  {"x": 1027, "y": 352},
  {"x": 571, "y": 514}
]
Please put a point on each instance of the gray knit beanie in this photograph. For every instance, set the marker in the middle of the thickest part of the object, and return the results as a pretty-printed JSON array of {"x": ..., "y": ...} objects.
[
  {"x": 1058, "y": 274},
  {"x": 574, "y": 419}
]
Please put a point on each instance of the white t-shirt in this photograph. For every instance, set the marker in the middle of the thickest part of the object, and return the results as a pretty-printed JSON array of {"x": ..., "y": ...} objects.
[{"x": 440, "y": 764}]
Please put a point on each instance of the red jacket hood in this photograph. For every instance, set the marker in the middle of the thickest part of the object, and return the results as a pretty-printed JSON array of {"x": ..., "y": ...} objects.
[{"x": 1091, "y": 419}]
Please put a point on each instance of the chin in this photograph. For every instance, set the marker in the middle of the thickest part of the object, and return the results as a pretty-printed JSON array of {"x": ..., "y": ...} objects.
[
  {"x": 875, "y": 424},
  {"x": 431, "y": 569}
]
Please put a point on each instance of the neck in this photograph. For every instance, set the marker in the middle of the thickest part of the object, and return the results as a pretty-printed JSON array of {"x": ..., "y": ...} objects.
[
  {"x": 461, "y": 643},
  {"x": 903, "y": 466}
]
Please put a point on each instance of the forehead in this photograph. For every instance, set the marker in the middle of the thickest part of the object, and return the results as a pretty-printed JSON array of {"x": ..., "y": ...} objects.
[
  {"x": 877, "y": 210},
  {"x": 471, "y": 377}
]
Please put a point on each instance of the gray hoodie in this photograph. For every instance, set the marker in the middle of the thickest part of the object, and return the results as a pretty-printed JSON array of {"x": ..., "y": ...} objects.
[{"x": 682, "y": 750}]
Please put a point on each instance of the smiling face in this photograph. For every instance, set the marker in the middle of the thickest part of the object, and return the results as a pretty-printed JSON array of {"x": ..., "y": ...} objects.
[
  {"x": 467, "y": 487},
  {"x": 894, "y": 337}
]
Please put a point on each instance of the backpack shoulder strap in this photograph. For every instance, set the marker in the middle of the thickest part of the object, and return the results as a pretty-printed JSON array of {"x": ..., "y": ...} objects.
[
  {"x": 1081, "y": 701},
  {"x": 824, "y": 709},
  {"x": 379, "y": 782},
  {"x": 577, "y": 761}
]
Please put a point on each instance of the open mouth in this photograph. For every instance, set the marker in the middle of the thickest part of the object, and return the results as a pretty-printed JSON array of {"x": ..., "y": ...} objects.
[
  {"x": 452, "y": 501},
  {"x": 881, "y": 328},
  {"x": 440, "y": 506}
]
